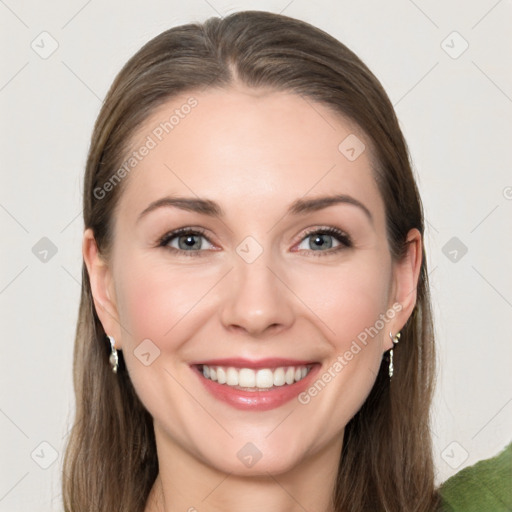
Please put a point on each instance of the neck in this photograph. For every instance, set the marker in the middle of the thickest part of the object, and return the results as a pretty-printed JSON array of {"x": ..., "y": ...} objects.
[{"x": 188, "y": 484}]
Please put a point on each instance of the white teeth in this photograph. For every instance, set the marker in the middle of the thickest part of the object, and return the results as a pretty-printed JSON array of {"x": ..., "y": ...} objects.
[
  {"x": 247, "y": 378},
  {"x": 279, "y": 377},
  {"x": 221, "y": 375},
  {"x": 231, "y": 377},
  {"x": 263, "y": 378}
]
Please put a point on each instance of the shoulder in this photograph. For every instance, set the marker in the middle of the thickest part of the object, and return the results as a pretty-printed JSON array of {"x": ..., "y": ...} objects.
[{"x": 485, "y": 486}]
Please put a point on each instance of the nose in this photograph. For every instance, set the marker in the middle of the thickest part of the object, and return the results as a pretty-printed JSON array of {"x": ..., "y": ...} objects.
[{"x": 256, "y": 300}]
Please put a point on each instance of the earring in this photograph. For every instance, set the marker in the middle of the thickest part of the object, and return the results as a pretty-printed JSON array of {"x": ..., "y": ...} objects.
[
  {"x": 114, "y": 358},
  {"x": 395, "y": 340}
]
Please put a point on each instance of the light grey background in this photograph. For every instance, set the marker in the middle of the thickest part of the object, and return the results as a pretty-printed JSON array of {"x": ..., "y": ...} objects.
[{"x": 456, "y": 115}]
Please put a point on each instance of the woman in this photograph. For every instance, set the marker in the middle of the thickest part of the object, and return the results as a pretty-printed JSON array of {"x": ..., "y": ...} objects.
[{"x": 255, "y": 329}]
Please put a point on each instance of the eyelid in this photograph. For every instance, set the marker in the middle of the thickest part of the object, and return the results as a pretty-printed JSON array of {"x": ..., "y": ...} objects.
[
  {"x": 344, "y": 239},
  {"x": 164, "y": 240},
  {"x": 181, "y": 231},
  {"x": 341, "y": 236}
]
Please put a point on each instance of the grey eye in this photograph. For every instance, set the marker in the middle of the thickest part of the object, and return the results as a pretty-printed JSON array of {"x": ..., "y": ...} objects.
[
  {"x": 190, "y": 242},
  {"x": 318, "y": 242}
]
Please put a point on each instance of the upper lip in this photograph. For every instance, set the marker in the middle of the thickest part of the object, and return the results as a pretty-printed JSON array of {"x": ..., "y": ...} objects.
[{"x": 237, "y": 362}]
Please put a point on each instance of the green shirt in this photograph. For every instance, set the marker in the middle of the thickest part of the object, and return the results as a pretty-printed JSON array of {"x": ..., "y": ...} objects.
[{"x": 484, "y": 487}]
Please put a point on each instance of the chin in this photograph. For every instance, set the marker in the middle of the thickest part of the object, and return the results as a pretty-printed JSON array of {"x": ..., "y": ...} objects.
[
  {"x": 258, "y": 454},
  {"x": 249, "y": 461}
]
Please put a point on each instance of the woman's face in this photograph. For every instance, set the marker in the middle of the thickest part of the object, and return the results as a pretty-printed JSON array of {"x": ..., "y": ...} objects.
[{"x": 250, "y": 284}]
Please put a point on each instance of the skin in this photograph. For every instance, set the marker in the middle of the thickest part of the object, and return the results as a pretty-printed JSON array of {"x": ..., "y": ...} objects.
[{"x": 254, "y": 153}]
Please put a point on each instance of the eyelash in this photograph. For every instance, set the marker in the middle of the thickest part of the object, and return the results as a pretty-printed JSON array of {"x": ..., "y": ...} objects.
[
  {"x": 342, "y": 237},
  {"x": 164, "y": 241}
]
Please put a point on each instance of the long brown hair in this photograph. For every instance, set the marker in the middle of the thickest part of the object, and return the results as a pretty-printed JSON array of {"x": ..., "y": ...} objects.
[{"x": 386, "y": 465}]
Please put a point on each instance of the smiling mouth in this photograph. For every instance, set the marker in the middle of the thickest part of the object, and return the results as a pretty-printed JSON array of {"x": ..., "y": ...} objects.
[{"x": 249, "y": 379}]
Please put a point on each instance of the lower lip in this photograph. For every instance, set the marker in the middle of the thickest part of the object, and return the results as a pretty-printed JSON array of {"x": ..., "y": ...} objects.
[{"x": 263, "y": 400}]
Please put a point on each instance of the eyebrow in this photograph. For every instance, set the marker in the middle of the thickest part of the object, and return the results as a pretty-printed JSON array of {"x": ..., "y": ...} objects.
[
  {"x": 302, "y": 206},
  {"x": 197, "y": 205},
  {"x": 212, "y": 209}
]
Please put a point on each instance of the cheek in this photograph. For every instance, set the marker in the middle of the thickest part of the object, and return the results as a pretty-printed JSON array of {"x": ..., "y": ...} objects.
[
  {"x": 351, "y": 302},
  {"x": 163, "y": 305},
  {"x": 347, "y": 299},
  {"x": 154, "y": 298}
]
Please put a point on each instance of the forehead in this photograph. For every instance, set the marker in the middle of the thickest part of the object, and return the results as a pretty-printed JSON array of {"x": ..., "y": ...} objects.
[{"x": 248, "y": 148}]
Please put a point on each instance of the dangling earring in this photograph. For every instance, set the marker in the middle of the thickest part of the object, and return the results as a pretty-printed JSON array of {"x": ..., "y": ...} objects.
[
  {"x": 114, "y": 358},
  {"x": 395, "y": 340}
]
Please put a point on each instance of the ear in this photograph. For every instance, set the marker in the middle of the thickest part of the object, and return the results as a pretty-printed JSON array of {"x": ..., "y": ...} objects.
[
  {"x": 102, "y": 287},
  {"x": 406, "y": 273}
]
